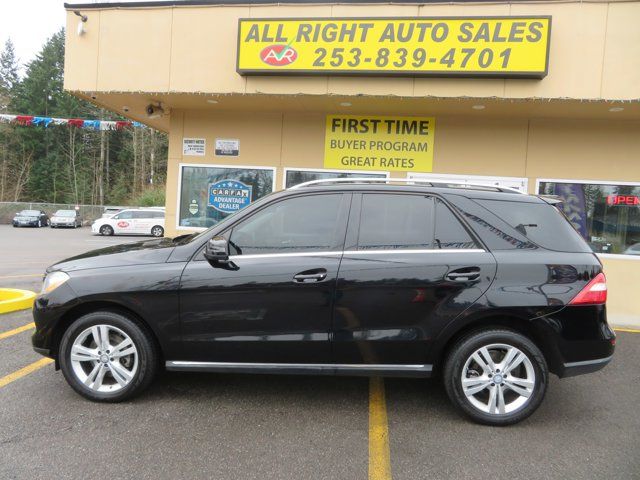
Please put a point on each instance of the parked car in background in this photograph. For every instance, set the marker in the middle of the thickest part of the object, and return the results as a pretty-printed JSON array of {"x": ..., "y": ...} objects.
[
  {"x": 132, "y": 221},
  {"x": 30, "y": 218},
  {"x": 111, "y": 211},
  {"x": 66, "y": 218},
  {"x": 633, "y": 249}
]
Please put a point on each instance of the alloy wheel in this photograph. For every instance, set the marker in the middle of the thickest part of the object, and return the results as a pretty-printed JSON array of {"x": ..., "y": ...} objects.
[
  {"x": 498, "y": 379},
  {"x": 104, "y": 358}
]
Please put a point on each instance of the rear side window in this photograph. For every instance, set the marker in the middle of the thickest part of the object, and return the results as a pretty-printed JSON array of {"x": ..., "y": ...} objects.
[
  {"x": 541, "y": 223},
  {"x": 449, "y": 231},
  {"x": 390, "y": 222}
]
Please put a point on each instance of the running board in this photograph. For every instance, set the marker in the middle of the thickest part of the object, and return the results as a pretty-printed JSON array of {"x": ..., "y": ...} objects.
[{"x": 302, "y": 368}]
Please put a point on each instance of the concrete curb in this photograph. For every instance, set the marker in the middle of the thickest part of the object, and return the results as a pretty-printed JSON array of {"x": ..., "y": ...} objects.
[{"x": 12, "y": 299}]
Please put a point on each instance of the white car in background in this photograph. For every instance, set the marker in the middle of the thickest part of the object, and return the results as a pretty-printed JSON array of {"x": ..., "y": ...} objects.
[{"x": 132, "y": 221}]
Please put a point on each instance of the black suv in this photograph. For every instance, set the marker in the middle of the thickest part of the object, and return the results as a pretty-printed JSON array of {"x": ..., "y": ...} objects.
[{"x": 487, "y": 288}]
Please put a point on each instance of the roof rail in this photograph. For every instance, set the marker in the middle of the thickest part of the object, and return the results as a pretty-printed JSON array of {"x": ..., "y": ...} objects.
[{"x": 408, "y": 181}]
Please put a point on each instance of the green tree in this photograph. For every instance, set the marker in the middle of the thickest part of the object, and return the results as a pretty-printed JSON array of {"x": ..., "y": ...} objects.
[
  {"x": 66, "y": 164},
  {"x": 9, "y": 77}
]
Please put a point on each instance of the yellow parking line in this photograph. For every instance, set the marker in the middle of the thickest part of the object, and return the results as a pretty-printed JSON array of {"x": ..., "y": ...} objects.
[
  {"x": 12, "y": 377},
  {"x": 379, "y": 458},
  {"x": 15, "y": 331},
  {"x": 25, "y": 275},
  {"x": 628, "y": 330}
]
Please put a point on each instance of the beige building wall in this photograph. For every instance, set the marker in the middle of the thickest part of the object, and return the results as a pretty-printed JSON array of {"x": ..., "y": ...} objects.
[{"x": 595, "y": 52}]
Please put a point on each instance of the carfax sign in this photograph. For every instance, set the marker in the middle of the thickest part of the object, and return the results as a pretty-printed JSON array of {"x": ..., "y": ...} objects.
[
  {"x": 357, "y": 142},
  {"x": 229, "y": 196},
  {"x": 421, "y": 46}
]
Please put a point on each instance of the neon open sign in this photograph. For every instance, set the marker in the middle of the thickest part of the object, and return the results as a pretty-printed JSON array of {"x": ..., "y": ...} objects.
[{"x": 628, "y": 200}]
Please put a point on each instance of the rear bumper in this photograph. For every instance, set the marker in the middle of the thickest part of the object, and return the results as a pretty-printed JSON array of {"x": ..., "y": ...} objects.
[{"x": 572, "y": 369}]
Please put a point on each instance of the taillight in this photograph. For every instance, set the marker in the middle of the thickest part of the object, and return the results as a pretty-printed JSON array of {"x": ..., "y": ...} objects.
[{"x": 594, "y": 292}]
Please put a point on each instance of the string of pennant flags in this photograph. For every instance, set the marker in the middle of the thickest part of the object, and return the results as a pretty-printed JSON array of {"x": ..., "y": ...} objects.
[{"x": 33, "y": 121}]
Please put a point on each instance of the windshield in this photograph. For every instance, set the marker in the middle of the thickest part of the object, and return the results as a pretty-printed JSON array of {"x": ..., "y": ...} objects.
[
  {"x": 29, "y": 213},
  {"x": 65, "y": 213}
]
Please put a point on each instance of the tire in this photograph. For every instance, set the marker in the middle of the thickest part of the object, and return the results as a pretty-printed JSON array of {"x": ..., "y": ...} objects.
[
  {"x": 530, "y": 371},
  {"x": 157, "y": 231},
  {"x": 139, "y": 360},
  {"x": 106, "y": 230},
  {"x": 39, "y": 223}
]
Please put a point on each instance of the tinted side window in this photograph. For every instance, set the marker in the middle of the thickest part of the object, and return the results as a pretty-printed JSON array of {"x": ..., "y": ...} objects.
[
  {"x": 541, "y": 223},
  {"x": 394, "y": 221},
  {"x": 300, "y": 224},
  {"x": 124, "y": 215},
  {"x": 157, "y": 214},
  {"x": 449, "y": 231}
]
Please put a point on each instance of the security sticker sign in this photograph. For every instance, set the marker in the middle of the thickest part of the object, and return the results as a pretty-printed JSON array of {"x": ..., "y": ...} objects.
[
  {"x": 357, "y": 142},
  {"x": 229, "y": 196},
  {"x": 194, "y": 146},
  {"x": 421, "y": 46}
]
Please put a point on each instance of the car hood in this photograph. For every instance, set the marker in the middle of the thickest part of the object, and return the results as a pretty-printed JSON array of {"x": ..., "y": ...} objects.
[{"x": 137, "y": 253}]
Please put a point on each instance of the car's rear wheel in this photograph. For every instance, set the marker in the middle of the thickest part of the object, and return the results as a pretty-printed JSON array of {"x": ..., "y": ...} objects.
[
  {"x": 496, "y": 377},
  {"x": 157, "y": 231},
  {"x": 108, "y": 357},
  {"x": 106, "y": 230}
]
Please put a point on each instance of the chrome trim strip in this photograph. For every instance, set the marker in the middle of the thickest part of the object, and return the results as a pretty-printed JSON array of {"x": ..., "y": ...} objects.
[
  {"x": 357, "y": 252},
  {"x": 336, "y": 366},
  {"x": 426, "y": 250},
  {"x": 597, "y": 361},
  {"x": 284, "y": 255}
]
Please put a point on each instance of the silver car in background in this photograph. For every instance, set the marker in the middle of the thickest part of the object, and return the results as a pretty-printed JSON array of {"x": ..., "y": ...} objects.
[{"x": 66, "y": 218}]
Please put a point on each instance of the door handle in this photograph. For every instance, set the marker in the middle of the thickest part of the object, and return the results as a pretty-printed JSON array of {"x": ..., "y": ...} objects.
[
  {"x": 310, "y": 276},
  {"x": 465, "y": 274}
]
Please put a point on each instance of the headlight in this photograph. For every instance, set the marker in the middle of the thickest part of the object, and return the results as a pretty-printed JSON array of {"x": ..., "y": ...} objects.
[{"x": 52, "y": 281}]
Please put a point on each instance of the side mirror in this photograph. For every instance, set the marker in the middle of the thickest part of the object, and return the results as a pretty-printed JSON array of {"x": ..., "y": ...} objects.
[{"x": 216, "y": 251}]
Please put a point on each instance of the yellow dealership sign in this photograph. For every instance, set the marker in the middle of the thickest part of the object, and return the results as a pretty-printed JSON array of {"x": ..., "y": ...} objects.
[
  {"x": 357, "y": 142},
  {"x": 420, "y": 46}
]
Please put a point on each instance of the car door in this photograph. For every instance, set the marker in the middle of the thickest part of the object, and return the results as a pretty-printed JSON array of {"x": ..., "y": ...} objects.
[
  {"x": 142, "y": 222},
  {"x": 273, "y": 304},
  {"x": 123, "y": 222},
  {"x": 409, "y": 267}
]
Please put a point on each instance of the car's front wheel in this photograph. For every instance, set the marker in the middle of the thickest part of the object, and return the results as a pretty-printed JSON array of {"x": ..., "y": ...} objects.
[
  {"x": 496, "y": 376},
  {"x": 106, "y": 230},
  {"x": 108, "y": 357}
]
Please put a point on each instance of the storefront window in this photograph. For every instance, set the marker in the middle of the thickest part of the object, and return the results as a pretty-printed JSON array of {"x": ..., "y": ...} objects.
[
  {"x": 606, "y": 215},
  {"x": 210, "y": 193},
  {"x": 295, "y": 177}
]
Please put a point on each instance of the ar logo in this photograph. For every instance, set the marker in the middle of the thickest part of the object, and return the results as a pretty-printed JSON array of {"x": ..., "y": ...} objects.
[{"x": 278, "y": 55}]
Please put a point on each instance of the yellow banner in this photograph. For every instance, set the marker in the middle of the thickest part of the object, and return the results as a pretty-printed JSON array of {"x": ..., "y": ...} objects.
[
  {"x": 356, "y": 142},
  {"x": 473, "y": 46}
]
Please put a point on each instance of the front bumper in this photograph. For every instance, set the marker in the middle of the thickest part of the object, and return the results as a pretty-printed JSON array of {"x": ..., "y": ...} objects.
[
  {"x": 48, "y": 313},
  {"x": 26, "y": 224},
  {"x": 62, "y": 224}
]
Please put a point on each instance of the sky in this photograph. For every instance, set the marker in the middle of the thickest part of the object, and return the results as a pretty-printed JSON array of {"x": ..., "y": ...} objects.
[{"x": 30, "y": 22}]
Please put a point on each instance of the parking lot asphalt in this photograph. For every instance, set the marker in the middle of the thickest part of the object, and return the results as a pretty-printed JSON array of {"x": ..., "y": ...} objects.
[{"x": 214, "y": 426}]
